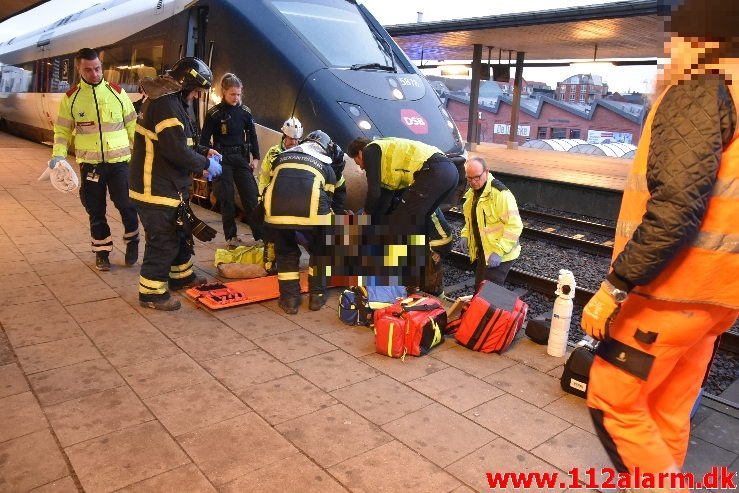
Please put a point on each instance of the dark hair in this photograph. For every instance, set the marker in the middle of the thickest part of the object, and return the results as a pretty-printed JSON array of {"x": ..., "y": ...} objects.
[
  {"x": 357, "y": 145},
  {"x": 85, "y": 54}
]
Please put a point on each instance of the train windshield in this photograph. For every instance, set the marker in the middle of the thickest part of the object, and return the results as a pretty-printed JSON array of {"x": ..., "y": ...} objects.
[{"x": 338, "y": 31}]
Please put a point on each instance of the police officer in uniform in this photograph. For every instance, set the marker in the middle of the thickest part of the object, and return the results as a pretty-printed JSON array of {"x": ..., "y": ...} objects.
[
  {"x": 103, "y": 119},
  {"x": 297, "y": 206},
  {"x": 231, "y": 126},
  {"x": 165, "y": 155}
]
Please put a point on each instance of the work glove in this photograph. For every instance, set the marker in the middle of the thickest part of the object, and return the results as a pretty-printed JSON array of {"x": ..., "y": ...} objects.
[
  {"x": 214, "y": 168},
  {"x": 494, "y": 260},
  {"x": 54, "y": 160},
  {"x": 463, "y": 245},
  {"x": 598, "y": 315}
]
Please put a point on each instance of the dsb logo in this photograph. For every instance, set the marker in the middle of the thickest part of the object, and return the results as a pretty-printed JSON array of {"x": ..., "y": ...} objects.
[{"x": 414, "y": 121}]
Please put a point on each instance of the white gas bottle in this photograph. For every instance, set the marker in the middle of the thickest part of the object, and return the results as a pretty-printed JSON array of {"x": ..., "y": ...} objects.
[{"x": 562, "y": 314}]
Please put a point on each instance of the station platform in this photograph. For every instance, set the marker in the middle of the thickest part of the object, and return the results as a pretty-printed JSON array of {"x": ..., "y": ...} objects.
[{"x": 98, "y": 394}]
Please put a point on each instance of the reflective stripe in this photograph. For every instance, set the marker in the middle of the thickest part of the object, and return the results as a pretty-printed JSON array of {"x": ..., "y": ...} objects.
[
  {"x": 288, "y": 276},
  {"x": 131, "y": 236},
  {"x": 130, "y": 117},
  {"x": 717, "y": 242},
  {"x": 104, "y": 127},
  {"x": 165, "y": 124},
  {"x": 149, "y": 286},
  {"x": 181, "y": 271},
  {"x": 147, "y": 196},
  {"x": 95, "y": 157},
  {"x": 390, "y": 339},
  {"x": 65, "y": 122},
  {"x": 153, "y": 199},
  {"x": 145, "y": 132},
  {"x": 58, "y": 139},
  {"x": 329, "y": 188}
]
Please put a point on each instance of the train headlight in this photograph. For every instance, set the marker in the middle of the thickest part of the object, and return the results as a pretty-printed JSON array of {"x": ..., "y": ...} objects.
[
  {"x": 398, "y": 94},
  {"x": 364, "y": 124},
  {"x": 358, "y": 115}
]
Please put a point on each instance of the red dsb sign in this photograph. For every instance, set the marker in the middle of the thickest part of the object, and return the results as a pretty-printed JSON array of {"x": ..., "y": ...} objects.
[{"x": 414, "y": 121}]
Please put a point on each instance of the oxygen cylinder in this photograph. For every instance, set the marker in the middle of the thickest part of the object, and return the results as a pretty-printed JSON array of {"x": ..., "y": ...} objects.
[{"x": 562, "y": 314}]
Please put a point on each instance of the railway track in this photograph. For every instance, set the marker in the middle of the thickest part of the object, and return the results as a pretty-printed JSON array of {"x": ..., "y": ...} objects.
[{"x": 576, "y": 242}]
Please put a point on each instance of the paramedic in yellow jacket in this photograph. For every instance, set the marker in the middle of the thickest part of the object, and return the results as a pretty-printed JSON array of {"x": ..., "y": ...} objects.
[
  {"x": 99, "y": 118},
  {"x": 492, "y": 224},
  {"x": 674, "y": 283}
]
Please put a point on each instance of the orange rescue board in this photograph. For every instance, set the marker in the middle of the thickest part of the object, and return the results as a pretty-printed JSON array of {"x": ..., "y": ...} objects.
[{"x": 225, "y": 295}]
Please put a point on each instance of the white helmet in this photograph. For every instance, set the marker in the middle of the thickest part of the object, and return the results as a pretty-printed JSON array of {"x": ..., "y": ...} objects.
[{"x": 292, "y": 128}]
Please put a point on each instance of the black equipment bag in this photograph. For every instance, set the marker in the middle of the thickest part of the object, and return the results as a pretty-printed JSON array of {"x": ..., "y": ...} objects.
[{"x": 576, "y": 373}]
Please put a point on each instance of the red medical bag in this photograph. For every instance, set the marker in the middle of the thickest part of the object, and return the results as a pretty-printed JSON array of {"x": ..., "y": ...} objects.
[{"x": 409, "y": 326}]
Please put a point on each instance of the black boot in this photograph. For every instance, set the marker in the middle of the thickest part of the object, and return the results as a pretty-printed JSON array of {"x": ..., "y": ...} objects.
[
  {"x": 132, "y": 252},
  {"x": 289, "y": 296},
  {"x": 317, "y": 290},
  {"x": 289, "y": 304},
  {"x": 101, "y": 261}
]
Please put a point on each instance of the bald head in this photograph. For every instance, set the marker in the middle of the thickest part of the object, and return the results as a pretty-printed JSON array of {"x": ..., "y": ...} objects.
[{"x": 476, "y": 170}]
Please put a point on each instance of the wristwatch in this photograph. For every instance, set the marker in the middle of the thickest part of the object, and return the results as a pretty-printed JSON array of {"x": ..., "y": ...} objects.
[{"x": 618, "y": 295}]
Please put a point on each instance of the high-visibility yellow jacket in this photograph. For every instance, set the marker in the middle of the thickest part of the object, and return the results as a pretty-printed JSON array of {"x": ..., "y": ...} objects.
[
  {"x": 400, "y": 159},
  {"x": 677, "y": 236},
  {"x": 101, "y": 120},
  {"x": 498, "y": 220}
]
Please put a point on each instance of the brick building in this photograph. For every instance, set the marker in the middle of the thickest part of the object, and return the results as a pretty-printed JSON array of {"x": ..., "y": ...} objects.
[
  {"x": 581, "y": 88},
  {"x": 601, "y": 121}
]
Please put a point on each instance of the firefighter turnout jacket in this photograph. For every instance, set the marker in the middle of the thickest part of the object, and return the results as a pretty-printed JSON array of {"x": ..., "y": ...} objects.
[
  {"x": 164, "y": 153},
  {"x": 300, "y": 192},
  {"x": 498, "y": 221},
  {"x": 102, "y": 120}
]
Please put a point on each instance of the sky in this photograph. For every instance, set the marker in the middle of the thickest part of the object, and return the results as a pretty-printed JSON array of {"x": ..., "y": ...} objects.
[{"x": 389, "y": 12}]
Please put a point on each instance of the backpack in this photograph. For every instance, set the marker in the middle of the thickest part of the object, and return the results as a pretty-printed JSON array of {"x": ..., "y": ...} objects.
[
  {"x": 492, "y": 319},
  {"x": 357, "y": 304},
  {"x": 411, "y": 326}
]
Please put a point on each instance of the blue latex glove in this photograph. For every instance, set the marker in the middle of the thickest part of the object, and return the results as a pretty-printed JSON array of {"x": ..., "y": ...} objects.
[
  {"x": 54, "y": 160},
  {"x": 214, "y": 168},
  {"x": 463, "y": 245},
  {"x": 494, "y": 260}
]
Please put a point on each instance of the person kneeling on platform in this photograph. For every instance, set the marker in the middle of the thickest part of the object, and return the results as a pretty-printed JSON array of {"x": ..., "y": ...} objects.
[{"x": 297, "y": 217}]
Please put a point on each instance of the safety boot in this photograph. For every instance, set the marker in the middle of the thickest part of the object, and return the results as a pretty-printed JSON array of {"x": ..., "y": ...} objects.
[
  {"x": 168, "y": 305},
  {"x": 317, "y": 300},
  {"x": 317, "y": 290},
  {"x": 101, "y": 261},
  {"x": 195, "y": 281},
  {"x": 289, "y": 296},
  {"x": 289, "y": 304},
  {"x": 132, "y": 252}
]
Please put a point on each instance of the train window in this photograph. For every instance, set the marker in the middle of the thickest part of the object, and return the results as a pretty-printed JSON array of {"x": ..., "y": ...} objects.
[
  {"x": 126, "y": 65},
  {"x": 16, "y": 79},
  {"x": 337, "y": 31}
]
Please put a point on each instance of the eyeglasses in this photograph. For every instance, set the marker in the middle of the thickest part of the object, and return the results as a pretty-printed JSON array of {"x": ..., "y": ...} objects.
[{"x": 476, "y": 178}]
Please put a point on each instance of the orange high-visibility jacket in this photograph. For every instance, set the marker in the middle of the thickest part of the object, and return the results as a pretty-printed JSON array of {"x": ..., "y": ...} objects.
[{"x": 676, "y": 238}]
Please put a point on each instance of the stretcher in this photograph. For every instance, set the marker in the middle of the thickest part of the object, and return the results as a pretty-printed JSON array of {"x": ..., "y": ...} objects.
[{"x": 218, "y": 295}]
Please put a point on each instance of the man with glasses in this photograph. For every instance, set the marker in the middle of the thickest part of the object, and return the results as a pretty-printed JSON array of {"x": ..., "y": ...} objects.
[{"x": 492, "y": 224}]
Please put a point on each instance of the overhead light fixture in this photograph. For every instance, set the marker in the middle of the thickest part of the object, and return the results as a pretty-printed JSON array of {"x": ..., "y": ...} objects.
[{"x": 455, "y": 71}]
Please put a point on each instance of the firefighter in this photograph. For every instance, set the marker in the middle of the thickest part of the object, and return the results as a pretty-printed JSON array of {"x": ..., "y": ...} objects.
[
  {"x": 165, "y": 154},
  {"x": 297, "y": 205},
  {"x": 103, "y": 120},
  {"x": 673, "y": 286},
  {"x": 492, "y": 224},
  {"x": 292, "y": 131},
  {"x": 231, "y": 126},
  {"x": 411, "y": 180}
]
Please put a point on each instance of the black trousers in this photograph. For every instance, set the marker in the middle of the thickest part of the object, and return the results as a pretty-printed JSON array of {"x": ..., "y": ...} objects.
[
  {"x": 287, "y": 254},
  {"x": 96, "y": 181},
  {"x": 496, "y": 274},
  {"x": 237, "y": 173},
  {"x": 167, "y": 260}
]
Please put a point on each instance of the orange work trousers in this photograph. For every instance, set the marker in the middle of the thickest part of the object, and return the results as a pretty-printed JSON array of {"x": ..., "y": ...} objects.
[{"x": 647, "y": 423}]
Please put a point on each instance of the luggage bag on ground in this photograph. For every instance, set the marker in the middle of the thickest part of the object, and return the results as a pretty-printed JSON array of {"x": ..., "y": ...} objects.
[
  {"x": 576, "y": 374},
  {"x": 357, "y": 304},
  {"x": 410, "y": 326},
  {"x": 492, "y": 319}
]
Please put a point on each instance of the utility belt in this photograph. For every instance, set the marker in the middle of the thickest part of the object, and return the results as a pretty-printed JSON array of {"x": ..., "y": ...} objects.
[{"x": 239, "y": 149}]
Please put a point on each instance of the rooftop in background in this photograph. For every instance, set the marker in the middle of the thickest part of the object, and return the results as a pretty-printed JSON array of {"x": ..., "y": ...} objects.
[{"x": 610, "y": 31}]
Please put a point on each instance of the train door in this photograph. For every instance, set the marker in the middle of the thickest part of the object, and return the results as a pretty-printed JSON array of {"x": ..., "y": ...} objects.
[{"x": 195, "y": 45}]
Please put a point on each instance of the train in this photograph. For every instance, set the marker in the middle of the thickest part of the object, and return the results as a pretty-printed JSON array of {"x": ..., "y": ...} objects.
[{"x": 327, "y": 62}]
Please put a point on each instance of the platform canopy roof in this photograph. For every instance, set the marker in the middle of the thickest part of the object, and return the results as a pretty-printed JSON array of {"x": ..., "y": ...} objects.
[
  {"x": 10, "y": 8},
  {"x": 629, "y": 29}
]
